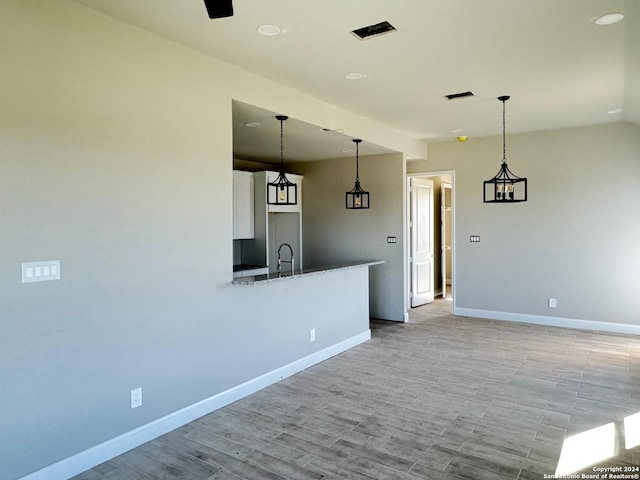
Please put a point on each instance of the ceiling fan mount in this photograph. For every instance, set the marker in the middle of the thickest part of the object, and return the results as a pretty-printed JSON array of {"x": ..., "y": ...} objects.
[{"x": 219, "y": 8}]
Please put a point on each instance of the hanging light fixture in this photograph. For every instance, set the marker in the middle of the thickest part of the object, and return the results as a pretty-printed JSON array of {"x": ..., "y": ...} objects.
[
  {"x": 505, "y": 187},
  {"x": 282, "y": 191},
  {"x": 356, "y": 197}
]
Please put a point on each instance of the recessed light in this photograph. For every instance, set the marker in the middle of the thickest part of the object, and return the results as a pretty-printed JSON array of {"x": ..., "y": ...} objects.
[
  {"x": 614, "y": 111},
  {"x": 609, "y": 19},
  {"x": 252, "y": 124},
  {"x": 457, "y": 130},
  {"x": 269, "y": 30},
  {"x": 354, "y": 76}
]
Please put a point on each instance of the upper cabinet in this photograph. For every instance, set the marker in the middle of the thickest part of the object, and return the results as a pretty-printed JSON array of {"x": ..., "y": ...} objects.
[
  {"x": 243, "y": 204},
  {"x": 262, "y": 178}
]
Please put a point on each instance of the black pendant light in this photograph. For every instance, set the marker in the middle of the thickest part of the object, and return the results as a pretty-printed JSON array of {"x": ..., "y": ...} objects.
[
  {"x": 505, "y": 187},
  {"x": 282, "y": 191},
  {"x": 357, "y": 198}
]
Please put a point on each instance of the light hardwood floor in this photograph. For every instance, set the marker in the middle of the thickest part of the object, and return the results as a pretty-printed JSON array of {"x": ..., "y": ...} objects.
[{"x": 440, "y": 397}]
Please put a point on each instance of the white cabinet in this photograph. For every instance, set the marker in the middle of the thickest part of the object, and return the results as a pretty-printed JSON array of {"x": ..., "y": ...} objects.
[{"x": 243, "y": 205}]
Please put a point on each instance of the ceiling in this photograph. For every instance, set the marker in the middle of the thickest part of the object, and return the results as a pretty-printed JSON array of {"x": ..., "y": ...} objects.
[
  {"x": 560, "y": 69},
  {"x": 302, "y": 141}
]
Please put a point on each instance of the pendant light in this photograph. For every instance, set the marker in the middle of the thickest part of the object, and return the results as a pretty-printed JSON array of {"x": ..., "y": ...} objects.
[
  {"x": 282, "y": 191},
  {"x": 505, "y": 187},
  {"x": 357, "y": 198}
]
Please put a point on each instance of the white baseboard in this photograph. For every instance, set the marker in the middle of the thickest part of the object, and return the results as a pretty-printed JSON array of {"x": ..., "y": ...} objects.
[
  {"x": 549, "y": 321},
  {"x": 91, "y": 457}
]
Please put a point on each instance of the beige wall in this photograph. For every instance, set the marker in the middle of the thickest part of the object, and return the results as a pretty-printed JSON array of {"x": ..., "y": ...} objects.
[
  {"x": 116, "y": 158},
  {"x": 331, "y": 233},
  {"x": 576, "y": 237},
  {"x": 631, "y": 61}
]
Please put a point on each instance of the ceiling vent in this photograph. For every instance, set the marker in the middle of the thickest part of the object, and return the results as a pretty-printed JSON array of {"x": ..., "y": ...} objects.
[
  {"x": 370, "y": 31},
  {"x": 453, "y": 96}
]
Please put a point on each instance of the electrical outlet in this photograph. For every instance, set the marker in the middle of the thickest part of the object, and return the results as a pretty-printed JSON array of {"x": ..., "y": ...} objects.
[
  {"x": 553, "y": 303},
  {"x": 312, "y": 335},
  {"x": 136, "y": 397}
]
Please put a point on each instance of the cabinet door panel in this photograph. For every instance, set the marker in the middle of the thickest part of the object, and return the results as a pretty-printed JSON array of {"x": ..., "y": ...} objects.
[{"x": 242, "y": 205}]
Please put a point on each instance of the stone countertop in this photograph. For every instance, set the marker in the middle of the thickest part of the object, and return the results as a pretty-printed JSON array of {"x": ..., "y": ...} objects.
[{"x": 276, "y": 277}]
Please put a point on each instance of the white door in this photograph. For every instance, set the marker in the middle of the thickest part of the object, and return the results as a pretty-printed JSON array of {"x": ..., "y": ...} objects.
[{"x": 422, "y": 270}]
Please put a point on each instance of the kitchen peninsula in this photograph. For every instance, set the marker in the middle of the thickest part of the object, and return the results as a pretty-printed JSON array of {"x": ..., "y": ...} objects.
[{"x": 308, "y": 317}]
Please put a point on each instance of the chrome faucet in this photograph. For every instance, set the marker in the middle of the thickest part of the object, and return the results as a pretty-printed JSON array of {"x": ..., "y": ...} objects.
[{"x": 291, "y": 260}]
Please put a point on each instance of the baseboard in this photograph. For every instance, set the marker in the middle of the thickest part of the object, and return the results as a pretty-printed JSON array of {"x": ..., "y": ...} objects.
[
  {"x": 549, "y": 321},
  {"x": 91, "y": 457}
]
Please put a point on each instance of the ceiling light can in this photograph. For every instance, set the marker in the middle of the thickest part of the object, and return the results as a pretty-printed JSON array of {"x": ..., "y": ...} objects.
[
  {"x": 609, "y": 19},
  {"x": 269, "y": 30}
]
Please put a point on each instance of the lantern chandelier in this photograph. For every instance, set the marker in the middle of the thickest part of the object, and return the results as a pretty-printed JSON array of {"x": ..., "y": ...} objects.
[
  {"x": 505, "y": 186},
  {"x": 282, "y": 191},
  {"x": 357, "y": 198}
]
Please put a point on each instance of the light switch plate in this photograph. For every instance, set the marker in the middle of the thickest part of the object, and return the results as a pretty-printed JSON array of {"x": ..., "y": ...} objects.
[{"x": 40, "y": 271}]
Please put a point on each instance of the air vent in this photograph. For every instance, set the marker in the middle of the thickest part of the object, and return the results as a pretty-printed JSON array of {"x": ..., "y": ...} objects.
[
  {"x": 453, "y": 96},
  {"x": 381, "y": 28}
]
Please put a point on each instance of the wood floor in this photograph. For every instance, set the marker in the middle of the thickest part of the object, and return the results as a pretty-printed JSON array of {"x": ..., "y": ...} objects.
[{"x": 440, "y": 397}]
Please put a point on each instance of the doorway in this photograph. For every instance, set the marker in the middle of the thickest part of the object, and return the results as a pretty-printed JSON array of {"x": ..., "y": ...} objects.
[{"x": 430, "y": 228}]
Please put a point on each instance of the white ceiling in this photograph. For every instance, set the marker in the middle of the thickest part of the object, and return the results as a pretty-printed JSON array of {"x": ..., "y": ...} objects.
[
  {"x": 560, "y": 69},
  {"x": 302, "y": 141}
]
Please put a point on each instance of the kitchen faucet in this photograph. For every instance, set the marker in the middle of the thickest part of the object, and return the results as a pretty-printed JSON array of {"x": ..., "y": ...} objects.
[{"x": 280, "y": 261}]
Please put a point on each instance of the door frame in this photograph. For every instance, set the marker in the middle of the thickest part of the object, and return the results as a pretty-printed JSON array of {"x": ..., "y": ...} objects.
[
  {"x": 443, "y": 235},
  {"x": 407, "y": 248}
]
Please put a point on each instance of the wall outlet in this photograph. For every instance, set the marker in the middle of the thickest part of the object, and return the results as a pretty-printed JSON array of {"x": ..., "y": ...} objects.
[
  {"x": 136, "y": 397},
  {"x": 312, "y": 335},
  {"x": 553, "y": 303}
]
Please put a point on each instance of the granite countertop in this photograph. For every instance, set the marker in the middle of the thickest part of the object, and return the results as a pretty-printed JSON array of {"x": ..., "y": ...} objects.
[{"x": 276, "y": 277}]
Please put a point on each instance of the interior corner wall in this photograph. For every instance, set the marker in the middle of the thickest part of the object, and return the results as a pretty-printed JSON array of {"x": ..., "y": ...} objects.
[
  {"x": 116, "y": 159},
  {"x": 575, "y": 239},
  {"x": 333, "y": 234}
]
